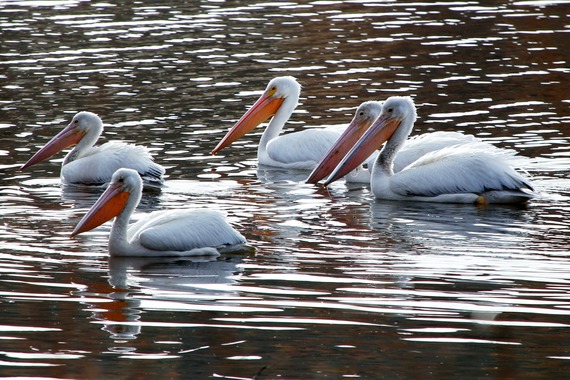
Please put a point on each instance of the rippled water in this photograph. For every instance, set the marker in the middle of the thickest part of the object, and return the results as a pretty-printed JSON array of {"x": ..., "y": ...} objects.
[{"x": 339, "y": 285}]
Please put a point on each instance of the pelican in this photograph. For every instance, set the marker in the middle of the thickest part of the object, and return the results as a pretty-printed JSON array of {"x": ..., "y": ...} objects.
[
  {"x": 298, "y": 150},
  {"x": 160, "y": 233},
  {"x": 463, "y": 173},
  {"x": 412, "y": 150},
  {"x": 89, "y": 165}
]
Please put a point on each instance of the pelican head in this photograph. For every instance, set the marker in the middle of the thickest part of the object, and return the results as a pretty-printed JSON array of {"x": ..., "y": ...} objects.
[
  {"x": 365, "y": 114},
  {"x": 124, "y": 184},
  {"x": 83, "y": 124},
  {"x": 394, "y": 125},
  {"x": 279, "y": 91}
]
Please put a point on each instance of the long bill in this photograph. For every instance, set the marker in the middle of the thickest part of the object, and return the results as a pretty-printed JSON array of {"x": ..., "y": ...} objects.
[
  {"x": 67, "y": 137},
  {"x": 109, "y": 205},
  {"x": 379, "y": 132},
  {"x": 265, "y": 107},
  {"x": 340, "y": 148}
]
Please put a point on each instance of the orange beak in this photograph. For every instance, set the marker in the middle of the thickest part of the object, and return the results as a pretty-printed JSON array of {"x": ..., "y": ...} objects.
[
  {"x": 264, "y": 108},
  {"x": 341, "y": 147},
  {"x": 109, "y": 205},
  {"x": 379, "y": 132},
  {"x": 69, "y": 136}
]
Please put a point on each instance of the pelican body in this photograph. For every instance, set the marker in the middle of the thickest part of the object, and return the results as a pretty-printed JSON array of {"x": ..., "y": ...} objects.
[
  {"x": 413, "y": 149},
  {"x": 298, "y": 150},
  {"x": 160, "y": 233},
  {"x": 86, "y": 164},
  {"x": 466, "y": 173}
]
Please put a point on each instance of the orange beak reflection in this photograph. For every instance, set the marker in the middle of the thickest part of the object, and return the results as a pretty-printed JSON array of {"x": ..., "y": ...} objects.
[
  {"x": 69, "y": 136},
  {"x": 109, "y": 205},
  {"x": 264, "y": 108}
]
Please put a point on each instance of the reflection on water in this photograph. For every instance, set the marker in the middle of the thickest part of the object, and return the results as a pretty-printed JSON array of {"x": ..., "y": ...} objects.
[
  {"x": 155, "y": 283},
  {"x": 340, "y": 285}
]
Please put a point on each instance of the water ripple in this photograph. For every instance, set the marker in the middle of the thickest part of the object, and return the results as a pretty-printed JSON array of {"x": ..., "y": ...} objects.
[{"x": 335, "y": 274}]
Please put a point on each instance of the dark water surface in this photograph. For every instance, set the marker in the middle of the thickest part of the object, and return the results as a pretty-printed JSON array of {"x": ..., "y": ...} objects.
[{"x": 340, "y": 285}]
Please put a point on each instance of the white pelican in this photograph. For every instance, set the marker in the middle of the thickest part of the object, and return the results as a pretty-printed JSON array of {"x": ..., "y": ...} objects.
[
  {"x": 412, "y": 150},
  {"x": 89, "y": 165},
  {"x": 298, "y": 150},
  {"x": 457, "y": 174},
  {"x": 160, "y": 233}
]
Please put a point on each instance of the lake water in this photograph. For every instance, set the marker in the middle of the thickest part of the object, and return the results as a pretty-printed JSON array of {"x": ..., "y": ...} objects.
[{"x": 340, "y": 285}]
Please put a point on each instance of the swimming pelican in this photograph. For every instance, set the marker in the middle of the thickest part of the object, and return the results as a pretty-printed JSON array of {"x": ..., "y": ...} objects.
[
  {"x": 160, "y": 233},
  {"x": 412, "y": 150},
  {"x": 298, "y": 150},
  {"x": 89, "y": 165},
  {"x": 463, "y": 173}
]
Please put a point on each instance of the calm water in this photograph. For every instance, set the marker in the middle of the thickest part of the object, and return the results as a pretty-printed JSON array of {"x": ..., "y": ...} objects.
[{"x": 339, "y": 285}]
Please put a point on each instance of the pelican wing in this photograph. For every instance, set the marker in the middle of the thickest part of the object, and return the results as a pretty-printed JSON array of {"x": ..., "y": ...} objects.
[
  {"x": 184, "y": 230},
  {"x": 415, "y": 148},
  {"x": 458, "y": 169},
  {"x": 305, "y": 148},
  {"x": 97, "y": 165},
  {"x": 419, "y": 145}
]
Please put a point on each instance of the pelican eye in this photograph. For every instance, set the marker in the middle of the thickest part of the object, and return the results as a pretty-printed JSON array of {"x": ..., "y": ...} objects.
[
  {"x": 361, "y": 113},
  {"x": 390, "y": 110}
]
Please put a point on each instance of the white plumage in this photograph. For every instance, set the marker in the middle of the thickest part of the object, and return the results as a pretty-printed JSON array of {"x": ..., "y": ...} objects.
[
  {"x": 297, "y": 150},
  {"x": 183, "y": 230},
  {"x": 466, "y": 173},
  {"x": 420, "y": 145},
  {"x": 454, "y": 170},
  {"x": 89, "y": 165},
  {"x": 161, "y": 233},
  {"x": 412, "y": 150}
]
